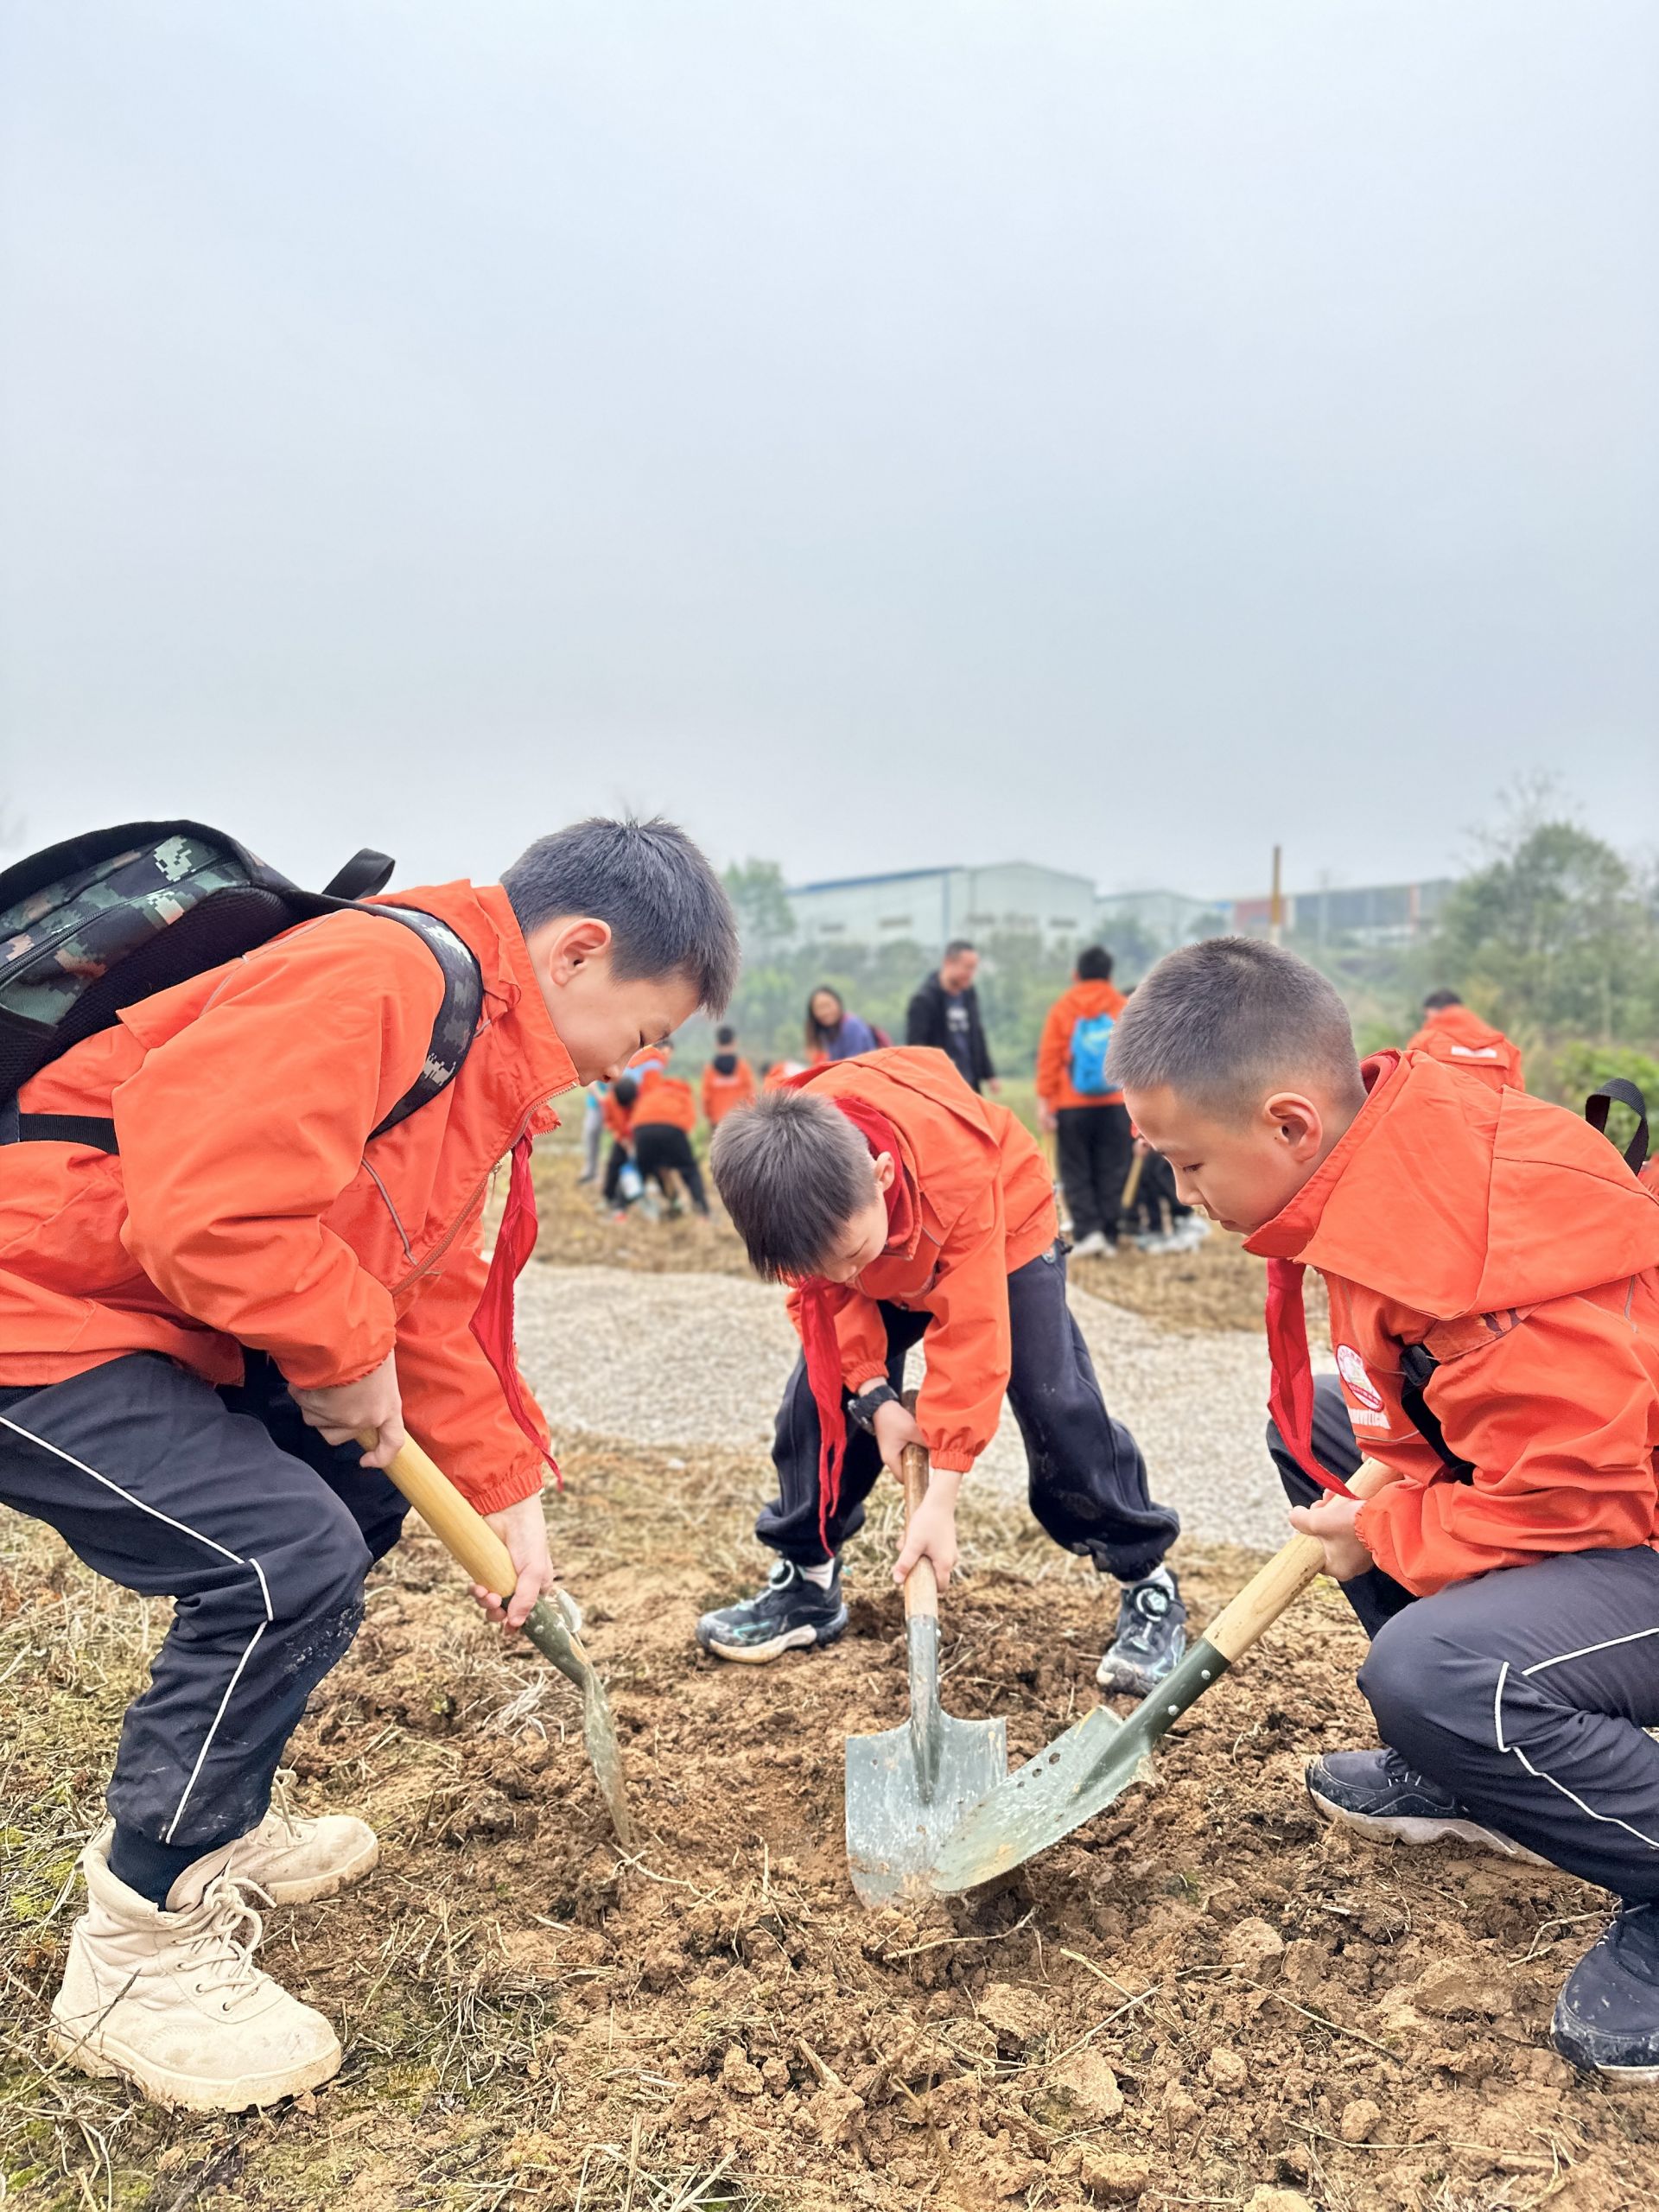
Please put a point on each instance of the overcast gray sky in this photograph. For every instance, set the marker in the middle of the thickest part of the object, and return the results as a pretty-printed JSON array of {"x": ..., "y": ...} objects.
[{"x": 1113, "y": 432}]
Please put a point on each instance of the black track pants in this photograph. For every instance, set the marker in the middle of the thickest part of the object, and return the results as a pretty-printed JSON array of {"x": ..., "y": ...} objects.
[
  {"x": 1096, "y": 1146},
  {"x": 658, "y": 1147},
  {"x": 1525, "y": 1692},
  {"x": 1088, "y": 1481},
  {"x": 224, "y": 1500}
]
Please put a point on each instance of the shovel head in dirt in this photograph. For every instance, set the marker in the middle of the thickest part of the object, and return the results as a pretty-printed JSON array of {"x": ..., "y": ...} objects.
[
  {"x": 1081, "y": 1772},
  {"x": 909, "y": 1787},
  {"x": 470, "y": 1538}
]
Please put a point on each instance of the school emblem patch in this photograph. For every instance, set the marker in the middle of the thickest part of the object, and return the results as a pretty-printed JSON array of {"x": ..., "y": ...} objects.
[{"x": 1352, "y": 1368}]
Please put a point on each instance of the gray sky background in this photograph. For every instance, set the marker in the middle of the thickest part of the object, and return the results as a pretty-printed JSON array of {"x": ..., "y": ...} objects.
[{"x": 1116, "y": 432}]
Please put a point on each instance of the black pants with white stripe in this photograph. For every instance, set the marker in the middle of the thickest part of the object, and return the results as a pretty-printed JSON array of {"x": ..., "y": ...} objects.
[
  {"x": 1525, "y": 1692},
  {"x": 261, "y": 1533}
]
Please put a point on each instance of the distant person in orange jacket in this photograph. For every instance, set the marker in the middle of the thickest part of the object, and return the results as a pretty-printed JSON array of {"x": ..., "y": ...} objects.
[
  {"x": 728, "y": 1081},
  {"x": 201, "y": 1318},
  {"x": 1458, "y": 1036},
  {"x": 663, "y": 1116},
  {"x": 899, "y": 1205},
  {"x": 1081, "y": 1107},
  {"x": 1493, "y": 1271}
]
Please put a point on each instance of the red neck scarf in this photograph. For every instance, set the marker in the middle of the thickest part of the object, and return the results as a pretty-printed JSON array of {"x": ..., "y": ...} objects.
[
  {"x": 1290, "y": 1394},
  {"x": 818, "y": 1300},
  {"x": 492, "y": 1322}
]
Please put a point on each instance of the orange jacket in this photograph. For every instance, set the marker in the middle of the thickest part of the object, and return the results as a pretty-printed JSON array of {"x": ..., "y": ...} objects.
[
  {"x": 1506, "y": 1236},
  {"x": 245, "y": 1207},
  {"x": 1462, "y": 1040},
  {"x": 1080, "y": 1003},
  {"x": 665, "y": 1101},
  {"x": 986, "y": 1207},
  {"x": 720, "y": 1093}
]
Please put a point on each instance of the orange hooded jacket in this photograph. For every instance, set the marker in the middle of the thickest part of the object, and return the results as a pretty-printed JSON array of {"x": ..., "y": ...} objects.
[
  {"x": 1509, "y": 1238},
  {"x": 665, "y": 1101},
  {"x": 985, "y": 1207},
  {"x": 1462, "y": 1040},
  {"x": 247, "y": 1208},
  {"x": 722, "y": 1093},
  {"x": 1080, "y": 1003}
]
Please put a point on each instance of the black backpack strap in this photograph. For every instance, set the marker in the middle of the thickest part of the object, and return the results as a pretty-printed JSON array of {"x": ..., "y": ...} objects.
[
  {"x": 1616, "y": 1091},
  {"x": 452, "y": 1033},
  {"x": 366, "y": 873},
  {"x": 1417, "y": 1365}
]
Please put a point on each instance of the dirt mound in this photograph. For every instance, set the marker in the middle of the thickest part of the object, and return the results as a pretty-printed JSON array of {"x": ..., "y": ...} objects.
[{"x": 1207, "y": 1997}]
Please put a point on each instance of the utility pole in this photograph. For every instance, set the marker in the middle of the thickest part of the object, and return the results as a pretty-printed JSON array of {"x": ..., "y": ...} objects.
[{"x": 1276, "y": 903}]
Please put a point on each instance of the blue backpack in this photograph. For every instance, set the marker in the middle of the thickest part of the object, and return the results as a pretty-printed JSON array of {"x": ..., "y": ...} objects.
[{"x": 1089, "y": 1040}]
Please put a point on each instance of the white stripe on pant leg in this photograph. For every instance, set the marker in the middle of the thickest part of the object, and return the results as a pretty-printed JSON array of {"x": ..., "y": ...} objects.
[
  {"x": 1586, "y": 1650},
  {"x": 1608, "y": 1820},
  {"x": 184, "y": 1529},
  {"x": 1497, "y": 1705}
]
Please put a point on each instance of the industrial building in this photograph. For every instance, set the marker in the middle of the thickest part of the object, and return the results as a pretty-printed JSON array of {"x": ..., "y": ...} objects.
[{"x": 930, "y": 906}]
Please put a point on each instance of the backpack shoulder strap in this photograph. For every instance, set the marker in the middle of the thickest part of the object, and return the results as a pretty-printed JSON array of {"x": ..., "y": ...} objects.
[{"x": 1616, "y": 1091}]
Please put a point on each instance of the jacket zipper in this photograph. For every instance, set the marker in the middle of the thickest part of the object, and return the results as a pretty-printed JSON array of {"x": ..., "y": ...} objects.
[{"x": 396, "y": 1289}]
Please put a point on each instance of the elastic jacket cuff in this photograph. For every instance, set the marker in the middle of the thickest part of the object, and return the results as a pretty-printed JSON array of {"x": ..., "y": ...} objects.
[
  {"x": 507, "y": 1489},
  {"x": 953, "y": 1460}
]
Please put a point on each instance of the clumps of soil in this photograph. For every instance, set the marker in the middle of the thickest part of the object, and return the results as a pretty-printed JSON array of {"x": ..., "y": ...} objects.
[{"x": 1207, "y": 1996}]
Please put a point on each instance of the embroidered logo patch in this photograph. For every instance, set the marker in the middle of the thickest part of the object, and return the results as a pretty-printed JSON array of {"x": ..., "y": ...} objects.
[{"x": 1352, "y": 1368}]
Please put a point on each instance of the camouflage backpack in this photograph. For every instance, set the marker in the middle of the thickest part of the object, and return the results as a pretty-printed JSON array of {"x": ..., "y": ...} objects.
[{"x": 96, "y": 923}]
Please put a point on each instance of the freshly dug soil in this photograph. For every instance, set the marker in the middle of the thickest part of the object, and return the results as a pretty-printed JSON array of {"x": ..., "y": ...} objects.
[{"x": 1207, "y": 1997}]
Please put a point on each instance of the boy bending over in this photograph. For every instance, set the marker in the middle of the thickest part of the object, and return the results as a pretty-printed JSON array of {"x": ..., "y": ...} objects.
[
  {"x": 194, "y": 1330},
  {"x": 900, "y": 1204},
  {"x": 1493, "y": 1269}
]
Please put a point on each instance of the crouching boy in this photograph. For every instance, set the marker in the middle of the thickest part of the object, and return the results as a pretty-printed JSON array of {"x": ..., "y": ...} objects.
[
  {"x": 200, "y": 1315},
  {"x": 899, "y": 1206},
  {"x": 1493, "y": 1271}
]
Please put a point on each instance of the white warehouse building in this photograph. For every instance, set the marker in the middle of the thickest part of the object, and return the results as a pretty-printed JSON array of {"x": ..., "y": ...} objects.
[{"x": 928, "y": 906}]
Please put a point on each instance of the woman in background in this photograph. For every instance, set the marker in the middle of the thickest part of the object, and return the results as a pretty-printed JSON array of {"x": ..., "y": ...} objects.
[{"x": 832, "y": 1033}]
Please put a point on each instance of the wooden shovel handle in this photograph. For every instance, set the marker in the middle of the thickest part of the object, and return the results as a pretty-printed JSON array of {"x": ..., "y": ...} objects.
[
  {"x": 921, "y": 1591},
  {"x": 1284, "y": 1578},
  {"x": 460, "y": 1528},
  {"x": 1131, "y": 1183}
]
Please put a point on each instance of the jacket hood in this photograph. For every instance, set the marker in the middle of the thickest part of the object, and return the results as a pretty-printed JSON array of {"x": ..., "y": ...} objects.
[
  {"x": 725, "y": 1063},
  {"x": 1082, "y": 1002},
  {"x": 1453, "y": 1198},
  {"x": 1462, "y": 1026}
]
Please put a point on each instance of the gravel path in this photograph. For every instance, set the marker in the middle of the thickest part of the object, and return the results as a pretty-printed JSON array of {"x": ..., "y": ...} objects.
[{"x": 686, "y": 1359}]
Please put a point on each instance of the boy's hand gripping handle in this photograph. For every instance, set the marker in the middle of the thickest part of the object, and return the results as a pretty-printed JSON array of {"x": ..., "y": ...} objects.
[
  {"x": 1284, "y": 1578},
  {"x": 921, "y": 1590}
]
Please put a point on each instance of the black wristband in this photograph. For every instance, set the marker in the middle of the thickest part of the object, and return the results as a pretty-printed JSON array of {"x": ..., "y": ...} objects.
[{"x": 863, "y": 1407}]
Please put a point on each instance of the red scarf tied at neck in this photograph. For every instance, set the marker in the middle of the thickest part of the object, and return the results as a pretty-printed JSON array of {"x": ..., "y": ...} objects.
[
  {"x": 492, "y": 1322},
  {"x": 816, "y": 1310},
  {"x": 1290, "y": 1395}
]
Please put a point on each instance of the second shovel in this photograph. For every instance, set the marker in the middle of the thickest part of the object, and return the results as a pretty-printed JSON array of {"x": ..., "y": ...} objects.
[{"x": 909, "y": 1787}]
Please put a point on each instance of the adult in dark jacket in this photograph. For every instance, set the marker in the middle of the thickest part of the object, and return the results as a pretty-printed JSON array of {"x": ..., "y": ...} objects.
[{"x": 945, "y": 1012}]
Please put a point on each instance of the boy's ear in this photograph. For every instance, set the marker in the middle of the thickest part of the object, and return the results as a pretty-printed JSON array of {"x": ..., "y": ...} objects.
[
  {"x": 563, "y": 946},
  {"x": 885, "y": 1172},
  {"x": 1298, "y": 1125}
]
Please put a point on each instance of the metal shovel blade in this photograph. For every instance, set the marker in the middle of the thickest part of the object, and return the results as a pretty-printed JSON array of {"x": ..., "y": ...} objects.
[
  {"x": 554, "y": 1638},
  {"x": 909, "y": 1787}
]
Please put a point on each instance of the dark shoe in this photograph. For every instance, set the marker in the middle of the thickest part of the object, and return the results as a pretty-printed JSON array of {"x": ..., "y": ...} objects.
[
  {"x": 1150, "y": 1637},
  {"x": 1378, "y": 1794},
  {"x": 1607, "y": 2017},
  {"x": 790, "y": 1614}
]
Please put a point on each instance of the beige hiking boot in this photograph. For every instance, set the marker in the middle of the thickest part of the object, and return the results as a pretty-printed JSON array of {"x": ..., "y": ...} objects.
[
  {"x": 172, "y": 2000},
  {"x": 295, "y": 1860}
]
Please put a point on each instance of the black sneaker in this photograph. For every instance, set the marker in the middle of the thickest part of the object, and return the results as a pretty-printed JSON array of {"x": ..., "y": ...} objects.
[
  {"x": 1376, "y": 1793},
  {"x": 1607, "y": 2017},
  {"x": 789, "y": 1615},
  {"x": 1150, "y": 1637}
]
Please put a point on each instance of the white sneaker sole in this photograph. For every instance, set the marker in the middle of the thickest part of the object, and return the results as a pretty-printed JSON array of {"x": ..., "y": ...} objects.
[
  {"x": 1417, "y": 1828},
  {"x": 308, "y": 1889},
  {"x": 108, "y": 2057},
  {"x": 756, "y": 1654}
]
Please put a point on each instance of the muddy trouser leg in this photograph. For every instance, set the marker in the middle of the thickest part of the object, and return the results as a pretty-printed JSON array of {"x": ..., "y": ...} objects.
[
  {"x": 613, "y": 1167},
  {"x": 1526, "y": 1692},
  {"x": 1375, "y": 1597},
  {"x": 153, "y": 1480},
  {"x": 1074, "y": 1141},
  {"x": 1111, "y": 1149},
  {"x": 790, "y": 1524},
  {"x": 1088, "y": 1481}
]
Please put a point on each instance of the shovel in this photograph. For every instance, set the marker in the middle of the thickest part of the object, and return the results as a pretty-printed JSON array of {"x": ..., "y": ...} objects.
[
  {"x": 1080, "y": 1773},
  {"x": 908, "y": 1787},
  {"x": 464, "y": 1532}
]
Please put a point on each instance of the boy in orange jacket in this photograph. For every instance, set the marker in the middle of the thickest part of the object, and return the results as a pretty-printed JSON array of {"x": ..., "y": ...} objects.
[
  {"x": 728, "y": 1081},
  {"x": 899, "y": 1204},
  {"x": 664, "y": 1115},
  {"x": 1493, "y": 1270},
  {"x": 1455, "y": 1033},
  {"x": 202, "y": 1309}
]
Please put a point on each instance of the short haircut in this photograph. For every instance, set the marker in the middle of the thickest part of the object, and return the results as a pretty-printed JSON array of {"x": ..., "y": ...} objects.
[
  {"x": 625, "y": 1090},
  {"x": 666, "y": 909},
  {"x": 1094, "y": 964},
  {"x": 725, "y": 1034},
  {"x": 1436, "y": 1000},
  {"x": 792, "y": 1171},
  {"x": 1228, "y": 1019},
  {"x": 959, "y": 944}
]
